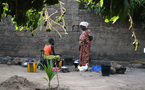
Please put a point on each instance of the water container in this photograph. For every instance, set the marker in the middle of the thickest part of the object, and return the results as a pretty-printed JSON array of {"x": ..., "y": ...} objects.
[
  {"x": 105, "y": 70},
  {"x": 32, "y": 67}
]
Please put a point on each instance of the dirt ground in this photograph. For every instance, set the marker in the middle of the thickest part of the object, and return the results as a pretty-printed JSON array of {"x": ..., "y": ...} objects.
[{"x": 133, "y": 79}]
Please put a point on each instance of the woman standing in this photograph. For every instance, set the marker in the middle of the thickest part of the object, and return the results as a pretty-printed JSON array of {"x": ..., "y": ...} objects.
[{"x": 84, "y": 44}]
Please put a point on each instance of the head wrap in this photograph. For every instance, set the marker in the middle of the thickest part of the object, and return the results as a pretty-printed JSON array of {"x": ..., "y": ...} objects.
[{"x": 84, "y": 24}]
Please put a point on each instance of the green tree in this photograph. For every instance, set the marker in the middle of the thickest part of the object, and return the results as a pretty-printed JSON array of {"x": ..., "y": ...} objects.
[
  {"x": 25, "y": 13},
  {"x": 112, "y": 10}
]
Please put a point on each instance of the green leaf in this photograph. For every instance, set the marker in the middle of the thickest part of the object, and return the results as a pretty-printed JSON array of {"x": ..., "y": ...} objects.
[
  {"x": 46, "y": 71},
  {"x": 53, "y": 73},
  {"x": 41, "y": 64},
  {"x": 21, "y": 28},
  {"x": 16, "y": 27},
  {"x": 51, "y": 65},
  {"x": 35, "y": 26},
  {"x": 45, "y": 79},
  {"x": 115, "y": 18},
  {"x": 79, "y": 0},
  {"x": 40, "y": 27},
  {"x": 101, "y": 3},
  {"x": 64, "y": 17},
  {"x": 49, "y": 70},
  {"x": 41, "y": 18},
  {"x": 5, "y": 8},
  {"x": 112, "y": 20},
  {"x": 57, "y": 18},
  {"x": 86, "y": 6},
  {"x": 106, "y": 20}
]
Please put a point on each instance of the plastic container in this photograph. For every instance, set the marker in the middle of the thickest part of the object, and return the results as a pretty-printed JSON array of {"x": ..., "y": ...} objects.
[
  {"x": 60, "y": 63},
  {"x": 105, "y": 70},
  {"x": 54, "y": 68},
  {"x": 32, "y": 67},
  {"x": 96, "y": 68}
]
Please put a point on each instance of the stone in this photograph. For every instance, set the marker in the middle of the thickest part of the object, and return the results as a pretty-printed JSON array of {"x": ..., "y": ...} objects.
[
  {"x": 6, "y": 59},
  {"x": 112, "y": 70},
  {"x": 9, "y": 63},
  {"x": 16, "y": 61}
]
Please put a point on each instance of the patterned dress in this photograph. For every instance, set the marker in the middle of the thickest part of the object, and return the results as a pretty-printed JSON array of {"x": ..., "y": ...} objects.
[{"x": 85, "y": 44}]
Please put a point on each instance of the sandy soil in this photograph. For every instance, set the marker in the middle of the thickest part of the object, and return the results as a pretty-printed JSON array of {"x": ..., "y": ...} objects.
[{"x": 132, "y": 80}]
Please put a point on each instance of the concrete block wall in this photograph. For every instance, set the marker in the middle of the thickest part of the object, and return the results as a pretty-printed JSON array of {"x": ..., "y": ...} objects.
[{"x": 109, "y": 43}]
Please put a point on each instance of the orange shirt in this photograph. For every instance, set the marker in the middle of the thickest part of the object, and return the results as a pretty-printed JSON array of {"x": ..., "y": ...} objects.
[{"x": 47, "y": 49}]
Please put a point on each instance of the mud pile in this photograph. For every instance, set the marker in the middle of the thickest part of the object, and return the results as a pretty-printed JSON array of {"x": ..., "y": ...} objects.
[{"x": 18, "y": 83}]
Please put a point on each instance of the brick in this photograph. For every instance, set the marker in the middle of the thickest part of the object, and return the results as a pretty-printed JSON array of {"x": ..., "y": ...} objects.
[{"x": 109, "y": 42}]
